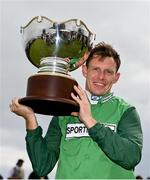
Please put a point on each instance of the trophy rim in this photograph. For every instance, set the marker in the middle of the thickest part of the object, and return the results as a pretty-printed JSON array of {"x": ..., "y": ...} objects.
[
  {"x": 40, "y": 18},
  {"x": 80, "y": 41}
]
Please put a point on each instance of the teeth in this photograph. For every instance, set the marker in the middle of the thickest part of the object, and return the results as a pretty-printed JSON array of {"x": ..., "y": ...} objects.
[{"x": 100, "y": 84}]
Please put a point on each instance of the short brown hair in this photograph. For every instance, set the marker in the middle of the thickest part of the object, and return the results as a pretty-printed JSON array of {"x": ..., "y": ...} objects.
[{"x": 104, "y": 50}]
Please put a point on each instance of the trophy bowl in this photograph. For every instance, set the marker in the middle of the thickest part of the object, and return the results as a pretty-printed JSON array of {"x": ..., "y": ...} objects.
[{"x": 47, "y": 45}]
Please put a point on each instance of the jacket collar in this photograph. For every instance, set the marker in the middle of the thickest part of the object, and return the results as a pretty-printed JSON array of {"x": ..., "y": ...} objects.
[{"x": 102, "y": 99}]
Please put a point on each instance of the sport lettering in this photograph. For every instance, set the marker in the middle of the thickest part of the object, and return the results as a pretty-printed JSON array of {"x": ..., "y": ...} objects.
[
  {"x": 76, "y": 130},
  {"x": 79, "y": 130}
]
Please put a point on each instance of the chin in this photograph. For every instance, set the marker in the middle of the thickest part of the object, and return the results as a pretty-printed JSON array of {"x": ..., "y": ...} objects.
[{"x": 97, "y": 93}]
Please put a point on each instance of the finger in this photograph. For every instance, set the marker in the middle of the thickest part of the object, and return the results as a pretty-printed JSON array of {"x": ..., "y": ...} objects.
[
  {"x": 15, "y": 101},
  {"x": 67, "y": 59},
  {"x": 11, "y": 108},
  {"x": 14, "y": 104},
  {"x": 82, "y": 60},
  {"x": 76, "y": 98},
  {"x": 75, "y": 114},
  {"x": 80, "y": 91},
  {"x": 86, "y": 55}
]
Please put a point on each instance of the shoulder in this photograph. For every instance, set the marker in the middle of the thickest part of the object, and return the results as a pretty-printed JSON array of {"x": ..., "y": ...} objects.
[
  {"x": 128, "y": 111},
  {"x": 121, "y": 102}
]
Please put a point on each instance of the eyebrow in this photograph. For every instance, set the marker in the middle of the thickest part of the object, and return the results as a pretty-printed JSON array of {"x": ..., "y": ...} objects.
[{"x": 110, "y": 69}]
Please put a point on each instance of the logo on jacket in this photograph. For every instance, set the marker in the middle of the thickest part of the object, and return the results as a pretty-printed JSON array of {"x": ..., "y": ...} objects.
[{"x": 76, "y": 130}]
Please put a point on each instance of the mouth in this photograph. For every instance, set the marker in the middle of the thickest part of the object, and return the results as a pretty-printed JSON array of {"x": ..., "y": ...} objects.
[{"x": 99, "y": 84}]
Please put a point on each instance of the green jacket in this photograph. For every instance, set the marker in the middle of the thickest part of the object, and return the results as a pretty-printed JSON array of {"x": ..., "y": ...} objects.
[{"x": 109, "y": 150}]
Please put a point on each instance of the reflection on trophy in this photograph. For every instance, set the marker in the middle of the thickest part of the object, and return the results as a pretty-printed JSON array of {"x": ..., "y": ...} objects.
[{"x": 47, "y": 45}]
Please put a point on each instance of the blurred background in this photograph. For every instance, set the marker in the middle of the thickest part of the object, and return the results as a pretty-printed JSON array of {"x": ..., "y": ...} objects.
[{"x": 124, "y": 24}]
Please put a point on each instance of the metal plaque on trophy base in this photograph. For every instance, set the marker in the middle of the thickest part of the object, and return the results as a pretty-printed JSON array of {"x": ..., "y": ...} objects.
[{"x": 47, "y": 45}]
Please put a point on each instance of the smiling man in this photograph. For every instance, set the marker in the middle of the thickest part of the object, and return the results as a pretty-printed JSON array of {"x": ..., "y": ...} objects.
[
  {"x": 101, "y": 141},
  {"x": 100, "y": 74}
]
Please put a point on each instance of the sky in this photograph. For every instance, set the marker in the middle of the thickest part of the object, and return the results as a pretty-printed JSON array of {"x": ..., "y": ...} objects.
[{"x": 123, "y": 24}]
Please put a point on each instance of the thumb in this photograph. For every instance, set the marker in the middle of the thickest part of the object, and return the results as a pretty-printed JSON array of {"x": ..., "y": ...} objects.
[{"x": 75, "y": 114}]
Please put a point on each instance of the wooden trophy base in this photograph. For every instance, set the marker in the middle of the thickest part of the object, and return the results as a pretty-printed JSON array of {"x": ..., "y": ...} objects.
[{"x": 50, "y": 94}]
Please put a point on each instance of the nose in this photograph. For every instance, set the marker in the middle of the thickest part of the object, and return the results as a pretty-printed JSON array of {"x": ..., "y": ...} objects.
[{"x": 101, "y": 75}]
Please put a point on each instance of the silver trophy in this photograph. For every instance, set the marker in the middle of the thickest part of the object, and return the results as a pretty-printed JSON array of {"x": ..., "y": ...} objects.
[{"x": 47, "y": 45}]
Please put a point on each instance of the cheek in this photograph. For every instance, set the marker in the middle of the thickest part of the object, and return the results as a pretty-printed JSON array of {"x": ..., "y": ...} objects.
[
  {"x": 89, "y": 80},
  {"x": 111, "y": 80},
  {"x": 91, "y": 77},
  {"x": 88, "y": 75}
]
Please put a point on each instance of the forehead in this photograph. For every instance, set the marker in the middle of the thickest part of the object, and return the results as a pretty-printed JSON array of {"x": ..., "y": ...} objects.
[{"x": 102, "y": 60}]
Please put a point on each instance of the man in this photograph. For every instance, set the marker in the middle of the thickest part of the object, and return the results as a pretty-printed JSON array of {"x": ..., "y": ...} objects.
[
  {"x": 101, "y": 141},
  {"x": 17, "y": 171}
]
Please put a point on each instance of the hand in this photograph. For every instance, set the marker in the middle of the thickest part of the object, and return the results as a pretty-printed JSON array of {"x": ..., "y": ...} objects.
[
  {"x": 19, "y": 109},
  {"x": 84, "y": 113},
  {"x": 82, "y": 60},
  {"x": 67, "y": 59},
  {"x": 24, "y": 111}
]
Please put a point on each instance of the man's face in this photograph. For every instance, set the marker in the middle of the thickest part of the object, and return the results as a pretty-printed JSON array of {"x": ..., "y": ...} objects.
[{"x": 100, "y": 75}]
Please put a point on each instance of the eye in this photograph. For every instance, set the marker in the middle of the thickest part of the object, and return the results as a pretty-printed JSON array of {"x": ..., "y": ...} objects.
[
  {"x": 96, "y": 69},
  {"x": 109, "y": 72}
]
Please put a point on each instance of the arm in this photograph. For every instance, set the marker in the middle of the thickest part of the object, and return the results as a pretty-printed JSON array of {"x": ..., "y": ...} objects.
[
  {"x": 124, "y": 146},
  {"x": 44, "y": 152}
]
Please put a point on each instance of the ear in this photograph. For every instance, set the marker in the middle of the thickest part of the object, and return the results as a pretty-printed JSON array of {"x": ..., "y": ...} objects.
[
  {"x": 117, "y": 76},
  {"x": 84, "y": 70}
]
